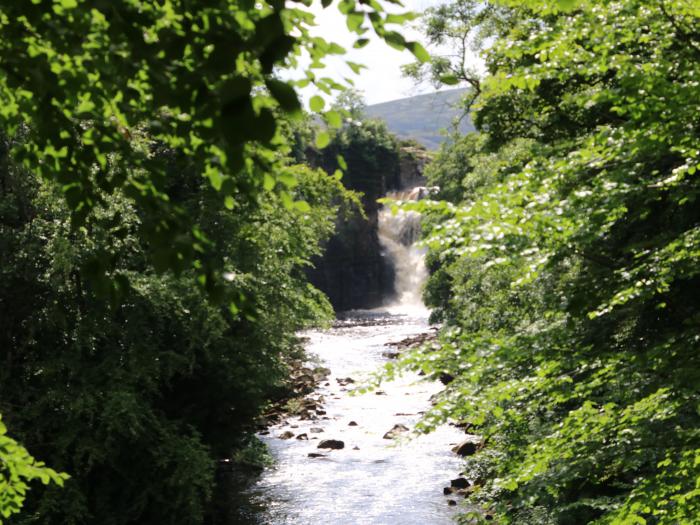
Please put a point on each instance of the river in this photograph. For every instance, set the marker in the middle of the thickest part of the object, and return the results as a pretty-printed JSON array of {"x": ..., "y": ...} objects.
[{"x": 372, "y": 480}]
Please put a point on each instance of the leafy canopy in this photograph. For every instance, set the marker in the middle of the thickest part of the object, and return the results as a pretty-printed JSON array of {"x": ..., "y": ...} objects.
[
  {"x": 99, "y": 85},
  {"x": 566, "y": 263}
]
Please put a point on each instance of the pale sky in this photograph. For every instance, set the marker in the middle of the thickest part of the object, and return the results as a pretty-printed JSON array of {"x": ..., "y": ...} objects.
[{"x": 382, "y": 80}]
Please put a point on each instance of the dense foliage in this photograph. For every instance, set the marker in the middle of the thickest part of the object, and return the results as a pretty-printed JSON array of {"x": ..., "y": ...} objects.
[
  {"x": 565, "y": 266},
  {"x": 138, "y": 399},
  {"x": 99, "y": 83},
  {"x": 146, "y": 181}
]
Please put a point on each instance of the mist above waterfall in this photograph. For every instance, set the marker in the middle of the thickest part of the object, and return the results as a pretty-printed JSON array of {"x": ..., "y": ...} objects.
[{"x": 398, "y": 236}]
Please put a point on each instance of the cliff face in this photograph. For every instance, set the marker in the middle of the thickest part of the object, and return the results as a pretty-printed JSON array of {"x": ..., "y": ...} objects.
[
  {"x": 353, "y": 272},
  {"x": 412, "y": 162}
]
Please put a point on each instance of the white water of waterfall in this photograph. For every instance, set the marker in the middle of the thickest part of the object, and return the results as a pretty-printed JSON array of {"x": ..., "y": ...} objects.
[{"x": 398, "y": 236}]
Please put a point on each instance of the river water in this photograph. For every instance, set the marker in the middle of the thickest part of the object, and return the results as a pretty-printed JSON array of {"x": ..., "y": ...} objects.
[{"x": 372, "y": 480}]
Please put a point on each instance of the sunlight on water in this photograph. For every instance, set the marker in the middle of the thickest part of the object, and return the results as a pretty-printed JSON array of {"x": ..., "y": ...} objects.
[{"x": 372, "y": 480}]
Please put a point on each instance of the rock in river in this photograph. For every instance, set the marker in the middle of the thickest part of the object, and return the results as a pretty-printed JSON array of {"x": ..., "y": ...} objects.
[
  {"x": 396, "y": 431},
  {"x": 466, "y": 448},
  {"x": 459, "y": 483},
  {"x": 333, "y": 444},
  {"x": 286, "y": 435}
]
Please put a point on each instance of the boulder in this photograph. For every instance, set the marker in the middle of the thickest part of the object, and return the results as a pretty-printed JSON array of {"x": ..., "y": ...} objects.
[
  {"x": 315, "y": 430},
  {"x": 396, "y": 431},
  {"x": 459, "y": 483},
  {"x": 352, "y": 424},
  {"x": 286, "y": 435},
  {"x": 302, "y": 436},
  {"x": 466, "y": 448},
  {"x": 333, "y": 444},
  {"x": 320, "y": 373},
  {"x": 446, "y": 378},
  {"x": 316, "y": 455}
]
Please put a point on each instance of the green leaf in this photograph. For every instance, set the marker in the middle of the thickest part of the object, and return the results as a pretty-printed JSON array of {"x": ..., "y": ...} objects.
[
  {"x": 215, "y": 177},
  {"x": 302, "y": 206},
  {"x": 360, "y": 43},
  {"x": 333, "y": 119},
  {"x": 354, "y": 21},
  {"x": 400, "y": 18},
  {"x": 356, "y": 68},
  {"x": 567, "y": 5},
  {"x": 449, "y": 80},
  {"x": 395, "y": 40},
  {"x": 323, "y": 138},
  {"x": 418, "y": 51},
  {"x": 285, "y": 95},
  {"x": 288, "y": 179},
  {"x": 317, "y": 103}
]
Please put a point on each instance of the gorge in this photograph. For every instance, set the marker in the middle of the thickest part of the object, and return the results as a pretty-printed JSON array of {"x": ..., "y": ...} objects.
[{"x": 353, "y": 459}]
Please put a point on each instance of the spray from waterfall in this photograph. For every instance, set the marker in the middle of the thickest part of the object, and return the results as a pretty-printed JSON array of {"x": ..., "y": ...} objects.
[{"x": 398, "y": 234}]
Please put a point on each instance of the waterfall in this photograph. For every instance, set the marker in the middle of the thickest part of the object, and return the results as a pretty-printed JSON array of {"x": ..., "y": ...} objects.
[{"x": 398, "y": 234}]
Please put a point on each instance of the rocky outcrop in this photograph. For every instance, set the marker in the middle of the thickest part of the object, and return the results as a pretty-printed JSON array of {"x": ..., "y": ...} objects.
[
  {"x": 353, "y": 272},
  {"x": 412, "y": 162}
]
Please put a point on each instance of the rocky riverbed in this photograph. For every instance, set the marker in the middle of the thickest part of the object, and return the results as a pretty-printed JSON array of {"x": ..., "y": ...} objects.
[{"x": 347, "y": 458}]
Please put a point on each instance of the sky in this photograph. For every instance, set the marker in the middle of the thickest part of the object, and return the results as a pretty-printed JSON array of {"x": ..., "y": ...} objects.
[{"x": 382, "y": 80}]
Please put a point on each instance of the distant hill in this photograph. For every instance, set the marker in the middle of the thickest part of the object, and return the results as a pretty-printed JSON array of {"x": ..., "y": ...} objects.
[{"x": 422, "y": 117}]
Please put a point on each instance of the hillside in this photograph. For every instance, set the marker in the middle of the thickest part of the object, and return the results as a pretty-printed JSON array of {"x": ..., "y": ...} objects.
[{"x": 422, "y": 117}]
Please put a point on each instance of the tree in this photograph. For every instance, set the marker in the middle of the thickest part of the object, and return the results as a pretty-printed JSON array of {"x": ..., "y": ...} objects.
[
  {"x": 105, "y": 106},
  {"x": 18, "y": 469},
  {"x": 101, "y": 85},
  {"x": 138, "y": 400},
  {"x": 458, "y": 31},
  {"x": 565, "y": 265},
  {"x": 351, "y": 102}
]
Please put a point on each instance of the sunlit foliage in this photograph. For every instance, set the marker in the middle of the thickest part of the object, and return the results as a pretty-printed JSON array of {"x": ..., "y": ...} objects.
[{"x": 566, "y": 266}]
